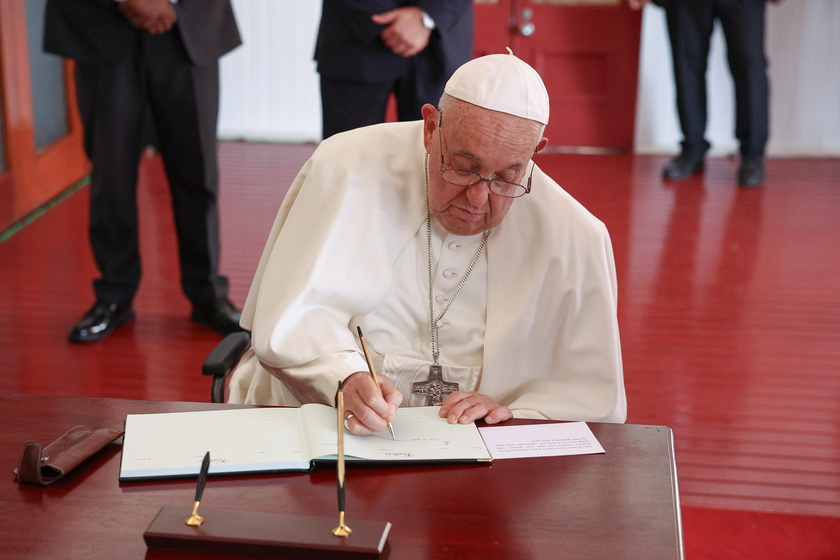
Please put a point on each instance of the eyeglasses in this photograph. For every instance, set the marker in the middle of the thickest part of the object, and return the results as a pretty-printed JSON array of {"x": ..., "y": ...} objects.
[{"x": 462, "y": 178}]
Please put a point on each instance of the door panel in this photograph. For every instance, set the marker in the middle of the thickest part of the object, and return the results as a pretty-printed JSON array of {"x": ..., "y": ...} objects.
[
  {"x": 49, "y": 103},
  {"x": 587, "y": 52},
  {"x": 493, "y": 27},
  {"x": 42, "y": 138}
]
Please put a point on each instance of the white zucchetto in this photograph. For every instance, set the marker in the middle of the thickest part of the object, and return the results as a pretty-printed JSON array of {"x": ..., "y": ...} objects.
[{"x": 501, "y": 82}]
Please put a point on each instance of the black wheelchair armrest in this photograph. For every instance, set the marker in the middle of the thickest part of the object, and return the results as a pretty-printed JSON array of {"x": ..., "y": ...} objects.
[{"x": 221, "y": 361}]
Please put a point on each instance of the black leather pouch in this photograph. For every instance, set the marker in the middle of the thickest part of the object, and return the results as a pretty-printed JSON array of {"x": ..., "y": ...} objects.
[{"x": 45, "y": 465}]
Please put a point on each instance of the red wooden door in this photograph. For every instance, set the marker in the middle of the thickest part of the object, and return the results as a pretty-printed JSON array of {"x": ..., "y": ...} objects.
[
  {"x": 32, "y": 171},
  {"x": 587, "y": 52}
]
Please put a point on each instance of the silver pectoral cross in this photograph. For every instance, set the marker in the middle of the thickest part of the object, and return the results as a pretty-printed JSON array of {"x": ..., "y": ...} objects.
[{"x": 435, "y": 388}]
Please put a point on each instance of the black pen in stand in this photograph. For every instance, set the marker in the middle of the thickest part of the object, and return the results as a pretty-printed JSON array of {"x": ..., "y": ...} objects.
[
  {"x": 342, "y": 530},
  {"x": 195, "y": 520}
]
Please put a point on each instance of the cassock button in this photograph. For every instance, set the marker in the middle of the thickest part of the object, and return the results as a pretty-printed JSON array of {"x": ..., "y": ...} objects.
[
  {"x": 449, "y": 273},
  {"x": 440, "y": 299},
  {"x": 454, "y": 246}
]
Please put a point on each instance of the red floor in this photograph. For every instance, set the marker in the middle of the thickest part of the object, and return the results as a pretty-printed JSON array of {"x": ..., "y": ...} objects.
[{"x": 729, "y": 310}]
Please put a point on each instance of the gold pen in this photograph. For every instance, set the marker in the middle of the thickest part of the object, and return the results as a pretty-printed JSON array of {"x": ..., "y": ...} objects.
[{"x": 373, "y": 373}]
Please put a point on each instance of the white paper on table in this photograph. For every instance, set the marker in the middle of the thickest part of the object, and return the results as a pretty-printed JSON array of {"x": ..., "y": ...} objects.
[{"x": 540, "y": 440}]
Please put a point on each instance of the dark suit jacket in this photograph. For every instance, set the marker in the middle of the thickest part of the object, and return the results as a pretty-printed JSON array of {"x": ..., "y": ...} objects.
[
  {"x": 349, "y": 47},
  {"x": 94, "y": 31}
]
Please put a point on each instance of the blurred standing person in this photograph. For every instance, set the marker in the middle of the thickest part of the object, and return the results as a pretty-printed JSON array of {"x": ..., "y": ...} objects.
[
  {"x": 137, "y": 58},
  {"x": 690, "y": 25},
  {"x": 368, "y": 49}
]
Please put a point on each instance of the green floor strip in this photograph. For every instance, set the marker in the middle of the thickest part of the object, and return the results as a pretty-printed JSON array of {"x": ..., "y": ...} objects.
[{"x": 41, "y": 210}]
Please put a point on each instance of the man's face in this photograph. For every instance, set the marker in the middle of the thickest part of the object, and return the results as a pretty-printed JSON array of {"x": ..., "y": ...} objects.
[{"x": 492, "y": 144}]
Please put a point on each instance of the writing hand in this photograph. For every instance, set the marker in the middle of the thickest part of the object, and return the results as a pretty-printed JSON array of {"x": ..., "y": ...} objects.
[
  {"x": 405, "y": 33},
  {"x": 463, "y": 407},
  {"x": 154, "y": 16},
  {"x": 371, "y": 410},
  {"x": 637, "y": 4}
]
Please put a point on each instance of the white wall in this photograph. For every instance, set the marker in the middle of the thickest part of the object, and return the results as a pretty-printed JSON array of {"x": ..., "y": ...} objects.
[
  {"x": 270, "y": 87},
  {"x": 269, "y": 84},
  {"x": 803, "y": 49}
]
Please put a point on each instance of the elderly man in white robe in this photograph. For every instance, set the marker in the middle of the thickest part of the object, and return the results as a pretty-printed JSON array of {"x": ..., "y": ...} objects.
[{"x": 478, "y": 283}]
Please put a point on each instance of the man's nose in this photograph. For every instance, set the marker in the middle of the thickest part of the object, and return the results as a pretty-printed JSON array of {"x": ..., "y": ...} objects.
[{"x": 479, "y": 192}]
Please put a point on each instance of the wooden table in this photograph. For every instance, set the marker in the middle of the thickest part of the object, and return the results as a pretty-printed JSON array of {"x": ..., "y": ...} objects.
[{"x": 622, "y": 504}]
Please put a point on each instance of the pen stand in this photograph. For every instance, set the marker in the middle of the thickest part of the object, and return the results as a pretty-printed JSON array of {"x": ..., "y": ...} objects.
[{"x": 257, "y": 534}]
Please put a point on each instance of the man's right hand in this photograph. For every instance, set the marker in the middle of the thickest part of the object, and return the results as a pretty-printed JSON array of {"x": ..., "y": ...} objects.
[{"x": 369, "y": 411}]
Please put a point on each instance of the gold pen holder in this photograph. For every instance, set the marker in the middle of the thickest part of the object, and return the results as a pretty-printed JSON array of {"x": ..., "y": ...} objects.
[
  {"x": 194, "y": 520},
  {"x": 342, "y": 530}
]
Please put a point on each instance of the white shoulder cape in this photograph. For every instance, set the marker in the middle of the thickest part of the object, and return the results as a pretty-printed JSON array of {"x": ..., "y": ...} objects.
[{"x": 551, "y": 341}]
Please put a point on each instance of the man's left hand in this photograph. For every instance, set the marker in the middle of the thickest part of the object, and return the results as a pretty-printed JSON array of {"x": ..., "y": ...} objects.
[
  {"x": 405, "y": 33},
  {"x": 463, "y": 407}
]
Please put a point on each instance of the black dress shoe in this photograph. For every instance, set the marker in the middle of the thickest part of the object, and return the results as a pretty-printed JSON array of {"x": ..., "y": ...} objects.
[
  {"x": 100, "y": 321},
  {"x": 682, "y": 166},
  {"x": 222, "y": 316},
  {"x": 751, "y": 172}
]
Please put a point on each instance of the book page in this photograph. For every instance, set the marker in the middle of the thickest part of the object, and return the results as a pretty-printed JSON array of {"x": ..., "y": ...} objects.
[
  {"x": 421, "y": 435},
  {"x": 540, "y": 440},
  {"x": 239, "y": 440}
]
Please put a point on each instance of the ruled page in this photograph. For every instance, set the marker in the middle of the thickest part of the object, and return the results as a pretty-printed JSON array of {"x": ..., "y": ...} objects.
[
  {"x": 421, "y": 434},
  {"x": 239, "y": 440}
]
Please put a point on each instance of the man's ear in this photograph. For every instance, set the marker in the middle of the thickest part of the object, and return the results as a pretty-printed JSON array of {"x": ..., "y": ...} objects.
[
  {"x": 430, "y": 123},
  {"x": 541, "y": 144}
]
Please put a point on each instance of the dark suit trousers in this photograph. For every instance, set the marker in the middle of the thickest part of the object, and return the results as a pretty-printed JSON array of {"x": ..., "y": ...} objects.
[
  {"x": 347, "y": 105},
  {"x": 690, "y": 25},
  {"x": 115, "y": 101}
]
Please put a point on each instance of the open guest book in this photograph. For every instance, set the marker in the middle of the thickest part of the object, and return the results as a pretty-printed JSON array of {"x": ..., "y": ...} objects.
[{"x": 274, "y": 440}]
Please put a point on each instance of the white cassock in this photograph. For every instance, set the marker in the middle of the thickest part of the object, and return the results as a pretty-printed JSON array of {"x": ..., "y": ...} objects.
[{"x": 534, "y": 327}]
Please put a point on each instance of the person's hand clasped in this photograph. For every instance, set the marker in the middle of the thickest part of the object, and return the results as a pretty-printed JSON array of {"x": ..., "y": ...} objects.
[
  {"x": 366, "y": 412},
  {"x": 404, "y": 33},
  {"x": 154, "y": 16},
  {"x": 463, "y": 407}
]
